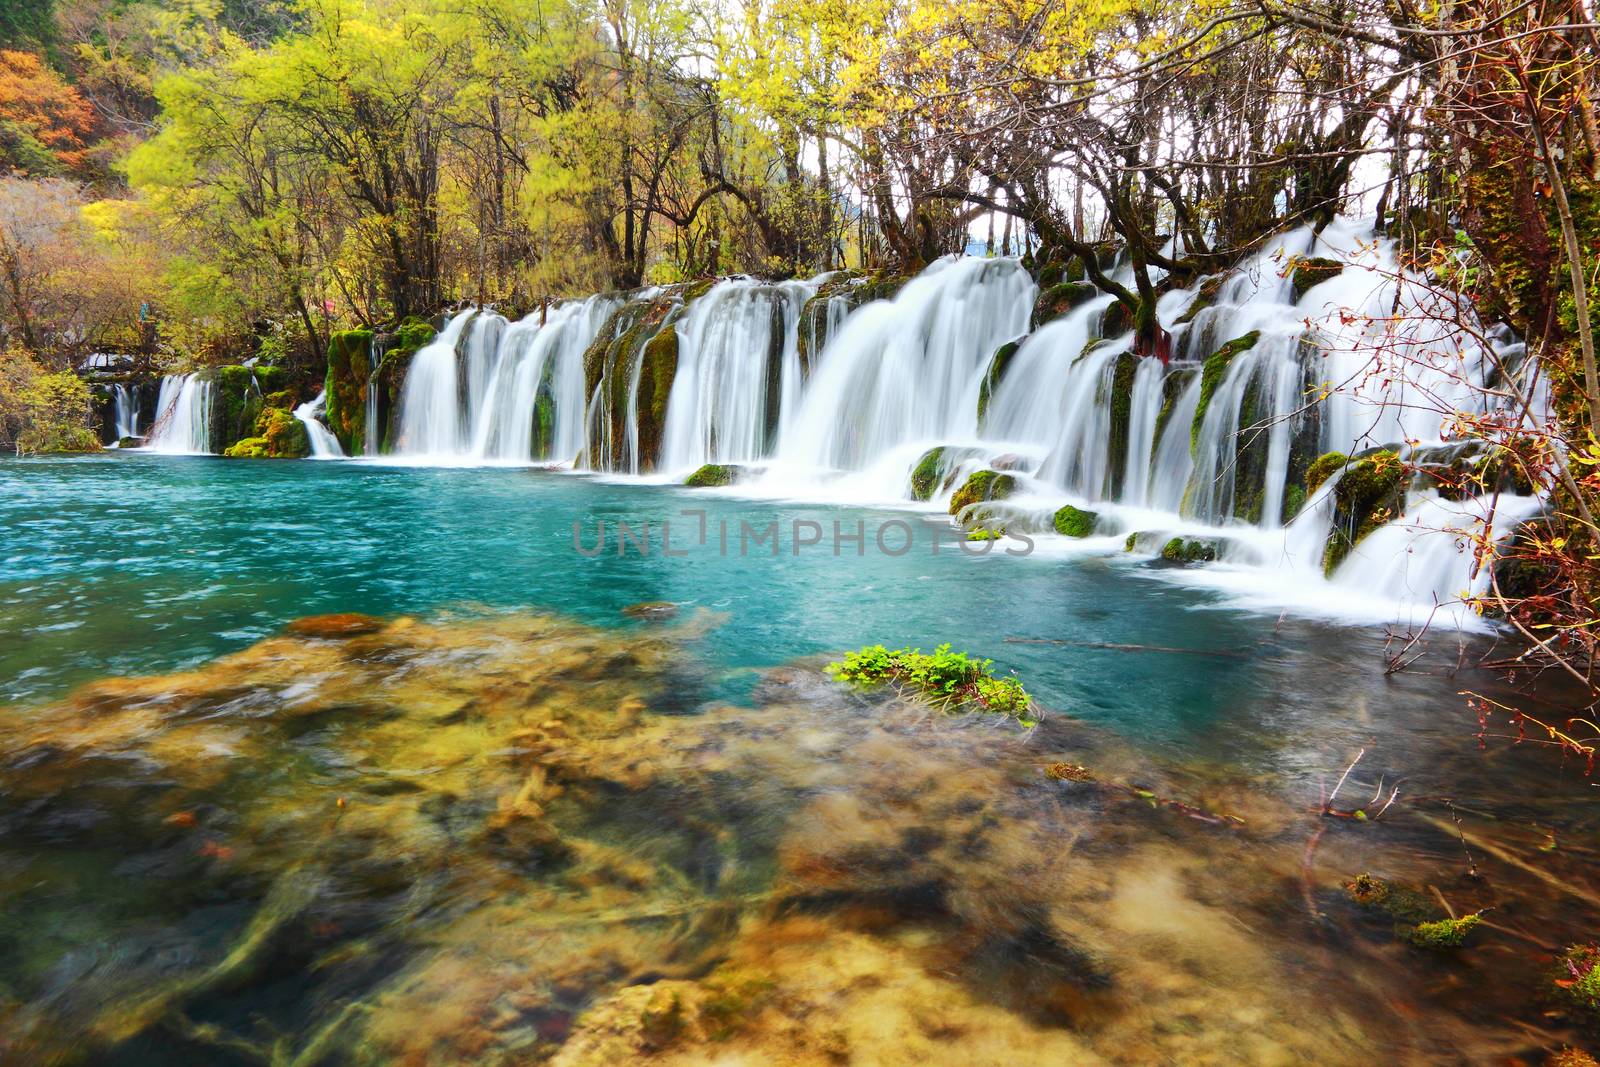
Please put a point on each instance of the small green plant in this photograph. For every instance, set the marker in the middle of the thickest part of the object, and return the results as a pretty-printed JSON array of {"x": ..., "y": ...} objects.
[
  {"x": 946, "y": 677},
  {"x": 985, "y": 535},
  {"x": 1444, "y": 934}
]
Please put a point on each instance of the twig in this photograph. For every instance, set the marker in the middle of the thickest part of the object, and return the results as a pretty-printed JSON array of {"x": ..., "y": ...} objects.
[
  {"x": 1472, "y": 866},
  {"x": 1328, "y": 804}
]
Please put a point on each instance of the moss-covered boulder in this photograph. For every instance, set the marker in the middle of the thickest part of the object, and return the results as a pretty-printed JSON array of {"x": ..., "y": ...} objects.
[
  {"x": 348, "y": 379},
  {"x": 1305, "y": 273},
  {"x": 1185, "y": 551},
  {"x": 1322, "y": 468},
  {"x": 622, "y": 344},
  {"x": 1074, "y": 522},
  {"x": 1370, "y": 493},
  {"x": 925, "y": 476},
  {"x": 1057, "y": 300},
  {"x": 980, "y": 486},
  {"x": 278, "y": 435},
  {"x": 711, "y": 476},
  {"x": 822, "y": 312}
]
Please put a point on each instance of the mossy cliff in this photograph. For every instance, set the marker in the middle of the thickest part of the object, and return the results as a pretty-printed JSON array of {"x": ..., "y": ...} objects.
[
  {"x": 640, "y": 334},
  {"x": 239, "y": 400},
  {"x": 349, "y": 377}
]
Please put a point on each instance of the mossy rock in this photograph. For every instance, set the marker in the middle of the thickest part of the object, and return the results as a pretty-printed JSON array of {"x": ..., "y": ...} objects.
[
  {"x": 1322, "y": 468},
  {"x": 1185, "y": 551},
  {"x": 997, "y": 368},
  {"x": 235, "y": 404},
  {"x": 981, "y": 486},
  {"x": 1116, "y": 320},
  {"x": 812, "y": 334},
  {"x": 1306, "y": 273},
  {"x": 926, "y": 474},
  {"x": 883, "y": 285},
  {"x": 1371, "y": 492},
  {"x": 1212, "y": 373},
  {"x": 1074, "y": 522},
  {"x": 1206, "y": 297},
  {"x": 711, "y": 476},
  {"x": 1060, "y": 299},
  {"x": 1173, "y": 385},
  {"x": 1442, "y": 935},
  {"x": 345, "y": 387},
  {"x": 278, "y": 435}
]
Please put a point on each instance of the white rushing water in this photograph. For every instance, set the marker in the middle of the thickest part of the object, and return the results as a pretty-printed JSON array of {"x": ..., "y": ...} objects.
[
  {"x": 323, "y": 444},
  {"x": 491, "y": 391},
  {"x": 125, "y": 411},
  {"x": 182, "y": 423},
  {"x": 1075, "y": 417}
]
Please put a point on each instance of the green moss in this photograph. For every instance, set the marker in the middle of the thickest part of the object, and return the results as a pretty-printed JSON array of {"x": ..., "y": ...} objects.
[
  {"x": 952, "y": 679},
  {"x": 1057, "y": 300},
  {"x": 1132, "y": 540},
  {"x": 656, "y": 372},
  {"x": 278, "y": 435},
  {"x": 1443, "y": 934},
  {"x": 710, "y": 476},
  {"x": 982, "y": 485},
  {"x": 1123, "y": 369},
  {"x": 1370, "y": 493},
  {"x": 882, "y": 285},
  {"x": 1075, "y": 522},
  {"x": 235, "y": 404},
  {"x": 997, "y": 369},
  {"x": 1322, "y": 468},
  {"x": 1172, "y": 387},
  {"x": 1211, "y": 375},
  {"x": 1187, "y": 550},
  {"x": 1294, "y": 498},
  {"x": 985, "y": 535},
  {"x": 926, "y": 474},
  {"x": 349, "y": 372},
  {"x": 1306, "y": 273}
]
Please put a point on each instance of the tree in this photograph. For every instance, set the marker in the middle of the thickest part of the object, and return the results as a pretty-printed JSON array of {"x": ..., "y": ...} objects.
[{"x": 45, "y": 125}]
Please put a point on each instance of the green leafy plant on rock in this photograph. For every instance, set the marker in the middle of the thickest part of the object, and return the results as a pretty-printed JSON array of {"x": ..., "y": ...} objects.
[
  {"x": 1577, "y": 981},
  {"x": 1443, "y": 934},
  {"x": 947, "y": 678}
]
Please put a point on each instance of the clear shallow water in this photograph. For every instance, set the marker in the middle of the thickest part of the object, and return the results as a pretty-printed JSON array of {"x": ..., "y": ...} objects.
[
  {"x": 505, "y": 834},
  {"x": 135, "y": 564}
]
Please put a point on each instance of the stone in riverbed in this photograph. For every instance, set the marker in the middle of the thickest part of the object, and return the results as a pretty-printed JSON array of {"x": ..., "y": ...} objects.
[
  {"x": 651, "y": 610},
  {"x": 345, "y": 624},
  {"x": 711, "y": 475}
]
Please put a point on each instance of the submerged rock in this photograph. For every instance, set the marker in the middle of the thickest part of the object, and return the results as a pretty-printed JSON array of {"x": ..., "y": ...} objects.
[
  {"x": 652, "y": 610},
  {"x": 347, "y": 624}
]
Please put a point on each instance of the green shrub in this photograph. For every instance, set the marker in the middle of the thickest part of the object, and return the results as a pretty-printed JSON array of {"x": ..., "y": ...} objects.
[{"x": 946, "y": 677}]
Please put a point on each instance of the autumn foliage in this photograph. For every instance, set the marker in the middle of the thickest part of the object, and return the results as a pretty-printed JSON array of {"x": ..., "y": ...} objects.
[{"x": 45, "y": 124}]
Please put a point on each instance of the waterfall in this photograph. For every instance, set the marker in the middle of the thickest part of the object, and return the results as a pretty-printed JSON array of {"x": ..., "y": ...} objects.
[
  {"x": 908, "y": 370},
  {"x": 323, "y": 444},
  {"x": 125, "y": 411},
  {"x": 182, "y": 424},
  {"x": 371, "y": 442},
  {"x": 835, "y": 395},
  {"x": 491, "y": 391},
  {"x": 738, "y": 370}
]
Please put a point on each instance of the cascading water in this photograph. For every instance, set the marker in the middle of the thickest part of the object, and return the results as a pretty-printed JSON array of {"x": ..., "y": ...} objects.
[
  {"x": 738, "y": 371},
  {"x": 489, "y": 391},
  {"x": 182, "y": 424},
  {"x": 839, "y": 399},
  {"x": 125, "y": 411},
  {"x": 323, "y": 444}
]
